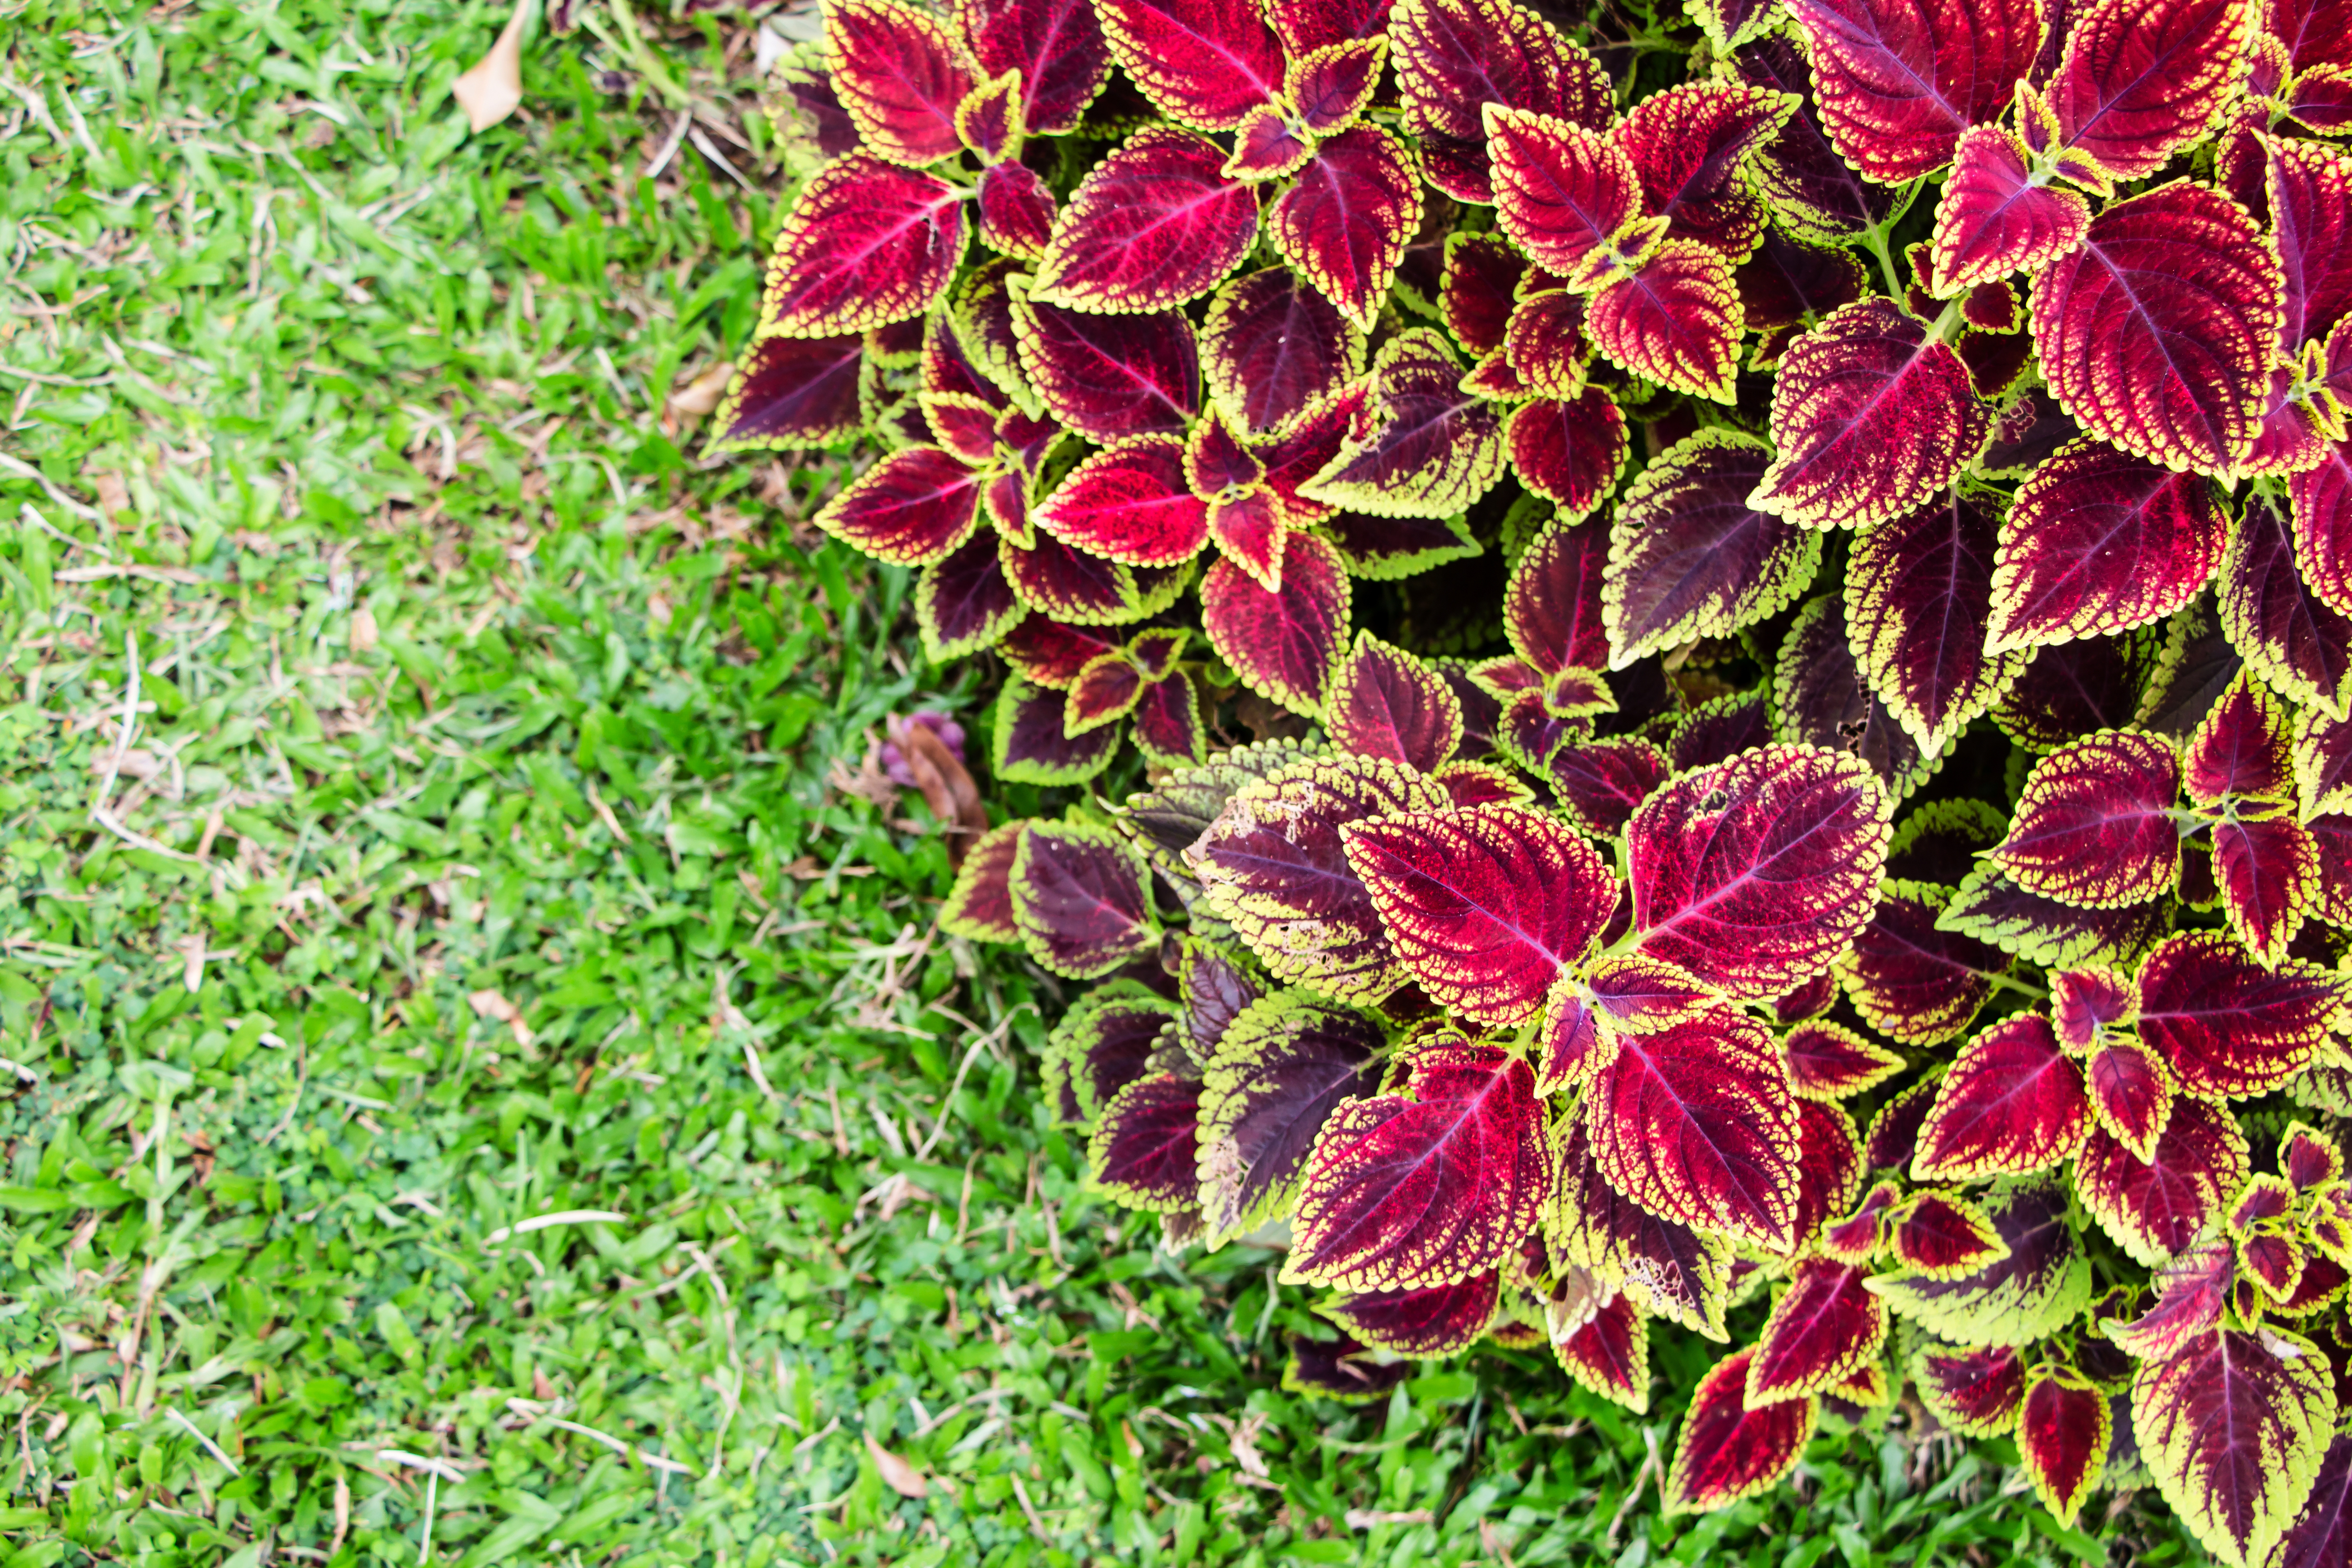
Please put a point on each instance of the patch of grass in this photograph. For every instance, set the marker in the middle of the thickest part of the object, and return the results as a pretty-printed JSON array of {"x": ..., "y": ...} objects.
[{"x": 416, "y": 771}]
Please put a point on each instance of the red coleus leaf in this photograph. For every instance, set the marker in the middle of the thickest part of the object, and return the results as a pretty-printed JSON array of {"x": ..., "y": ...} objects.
[
  {"x": 1786, "y": 281},
  {"x": 2013, "y": 1103},
  {"x": 1756, "y": 873},
  {"x": 1425, "y": 448},
  {"x": 1105, "y": 691},
  {"x": 1284, "y": 645},
  {"x": 2233, "y": 1427},
  {"x": 1918, "y": 589},
  {"x": 2131, "y": 1093},
  {"x": 1277, "y": 1072},
  {"x": 1167, "y": 723},
  {"x": 1248, "y": 529},
  {"x": 2241, "y": 747},
  {"x": 1829, "y": 1169},
  {"x": 865, "y": 244},
  {"x": 1387, "y": 704},
  {"x": 1564, "y": 194},
  {"x": 1674, "y": 319},
  {"x": 1485, "y": 907},
  {"x": 2322, "y": 500},
  {"x": 1478, "y": 289},
  {"x": 1145, "y": 1144},
  {"x": 1899, "y": 80},
  {"x": 2154, "y": 1208},
  {"x": 1453, "y": 55},
  {"x": 1341, "y": 1369},
  {"x": 1829, "y": 1061},
  {"x": 1129, "y": 504},
  {"x": 1727, "y": 1451},
  {"x": 1154, "y": 225},
  {"x": 1079, "y": 898},
  {"x": 912, "y": 507},
  {"x": 1610, "y": 1353},
  {"x": 1601, "y": 783},
  {"x": 1894, "y": 1135},
  {"x": 964, "y": 603},
  {"x": 1051, "y": 654},
  {"x": 1816, "y": 194},
  {"x": 2094, "y": 824},
  {"x": 1943, "y": 1237},
  {"x": 1673, "y": 1270},
  {"x": 979, "y": 908},
  {"x": 897, "y": 71},
  {"x": 2294, "y": 639},
  {"x": 2157, "y": 334},
  {"x": 2322, "y": 1532},
  {"x": 1819, "y": 698},
  {"x": 2138, "y": 80},
  {"x": 1273, "y": 868},
  {"x": 1331, "y": 83},
  {"x": 792, "y": 392},
  {"x": 1108, "y": 377},
  {"x": 1344, "y": 221},
  {"x": 1438, "y": 1321},
  {"x": 1030, "y": 745},
  {"x": 1976, "y": 1392},
  {"x": 1552, "y": 608},
  {"x": 2323, "y": 763},
  {"x": 1823, "y": 1328},
  {"x": 1544, "y": 344},
  {"x": 1204, "y": 62},
  {"x": 1215, "y": 990},
  {"x": 1429, "y": 1186},
  {"x": 2062, "y": 1432},
  {"x": 2037, "y": 1287},
  {"x": 1272, "y": 345},
  {"x": 1688, "y": 557},
  {"x": 1688, "y": 145},
  {"x": 1569, "y": 450},
  {"x": 2310, "y": 191},
  {"x": 1995, "y": 218},
  {"x": 2078, "y": 687},
  {"x": 2226, "y": 1025},
  {"x": 1056, "y": 46},
  {"x": 1913, "y": 981},
  {"x": 1870, "y": 417},
  {"x": 1696, "y": 1123},
  {"x": 2099, "y": 542},
  {"x": 2191, "y": 1291}
]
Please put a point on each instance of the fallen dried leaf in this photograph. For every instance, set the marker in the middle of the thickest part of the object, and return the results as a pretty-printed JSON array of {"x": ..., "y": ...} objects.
[
  {"x": 945, "y": 785},
  {"x": 901, "y": 1477},
  {"x": 701, "y": 396},
  {"x": 363, "y": 632},
  {"x": 494, "y": 1006},
  {"x": 493, "y": 89}
]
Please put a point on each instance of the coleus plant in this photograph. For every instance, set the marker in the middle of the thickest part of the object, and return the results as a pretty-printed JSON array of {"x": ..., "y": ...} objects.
[{"x": 1883, "y": 892}]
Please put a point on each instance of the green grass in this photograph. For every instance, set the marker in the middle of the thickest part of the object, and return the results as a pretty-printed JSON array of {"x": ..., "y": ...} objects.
[{"x": 455, "y": 688}]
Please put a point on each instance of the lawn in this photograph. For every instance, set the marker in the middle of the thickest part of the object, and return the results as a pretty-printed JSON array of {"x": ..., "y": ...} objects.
[{"x": 487, "y": 1083}]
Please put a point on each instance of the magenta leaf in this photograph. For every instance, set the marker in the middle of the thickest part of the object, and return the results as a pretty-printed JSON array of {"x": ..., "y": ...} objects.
[
  {"x": 963, "y": 601},
  {"x": 1756, "y": 873},
  {"x": 2138, "y": 80},
  {"x": 1109, "y": 377},
  {"x": 2012, "y": 1104},
  {"x": 792, "y": 392},
  {"x": 1387, "y": 704},
  {"x": 865, "y": 244},
  {"x": 1918, "y": 589},
  {"x": 1203, "y": 62},
  {"x": 2226, "y": 1025},
  {"x": 1344, "y": 221},
  {"x": 1056, "y": 46},
  {"x": 1899, "y": 80},
  {"x": 1727, "y": 1452},
  {"x": 1285, "y": 645},
  {"x": 1129, "y": 504},
  {"x": 1425, "y": 448},
  {"x": 1080, "y": 900},
  {"x": 1994, "y": 218},
  {"x": 895, "y": 71},
  {"x": 2157, "y": 334},
  {"x": 2294, "y": 639},
  {"x": 1427, "y": 1189},
  {"x": 1568, "y": 452},
  {"x": 1870, "y": 417},
  {"x": 1823, "y": 1328},
  {"x": 913, "y": 507},
  {"x": 2234, "y": 1426},
  {"x": 1674, "y": 319},
  {"x": 1453, "y": 55},
  {"x": 1271, "y": 346},
  {"x": 1154, "y": 225},
  {"x": 1276, "y": 1075},
  {"x": 2094, "y": 826},
  {"x": 1689, "y": 145},
  {"x": 1910, "y": 979},
  {"x": 1565, "y": 195},
  {"x": 1485, "y": 907}
]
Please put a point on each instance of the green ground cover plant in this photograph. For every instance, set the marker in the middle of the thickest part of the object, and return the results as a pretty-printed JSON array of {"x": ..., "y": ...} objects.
[{"x": 435, "y": 803}]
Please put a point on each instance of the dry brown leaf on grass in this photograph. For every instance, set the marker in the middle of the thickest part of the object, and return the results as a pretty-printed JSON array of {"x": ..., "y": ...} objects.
[
  {"x": 945, "y": 785},
  {"x": 493, "y": 89},
  {"x": 493, "y": 1006},
  {"x": 901, "y": 1477},
  {"x": 695, "y": 398}
]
